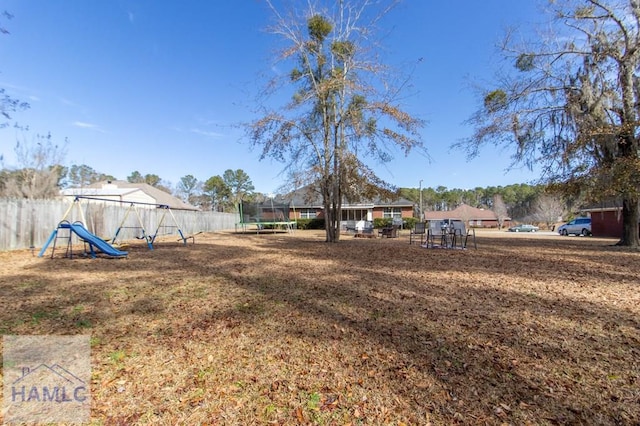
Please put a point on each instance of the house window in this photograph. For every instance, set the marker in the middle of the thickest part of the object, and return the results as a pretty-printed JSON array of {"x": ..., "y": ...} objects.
[
  {"x": 354, "y": 214},
  {"x": 392, "y": 213},
  {"x": 308, "y": 214}
]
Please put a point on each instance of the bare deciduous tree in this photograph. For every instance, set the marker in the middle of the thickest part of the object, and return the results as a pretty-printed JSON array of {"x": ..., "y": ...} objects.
[
  {"x": 344, "y": 108},
  {"x": 548, "y": 209},
  {"x": 39, "y": 168},
  {"x": 500, "y": 209}
]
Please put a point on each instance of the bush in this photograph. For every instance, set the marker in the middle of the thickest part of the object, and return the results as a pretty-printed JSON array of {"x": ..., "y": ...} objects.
[
  {"x": 381, "y": 222},
  {"x": 315, "y": 223},
  {"x": 410, "y": 222}
]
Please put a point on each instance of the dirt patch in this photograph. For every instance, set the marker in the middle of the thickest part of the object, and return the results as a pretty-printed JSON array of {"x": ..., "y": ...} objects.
[{"x": 287, "y": 329}]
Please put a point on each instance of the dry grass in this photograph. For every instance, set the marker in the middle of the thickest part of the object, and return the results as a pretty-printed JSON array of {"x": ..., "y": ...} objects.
[{"x": 286, "y": 329}]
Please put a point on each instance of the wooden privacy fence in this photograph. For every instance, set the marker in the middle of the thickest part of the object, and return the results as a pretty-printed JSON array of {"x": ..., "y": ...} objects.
[{"x": 28, "y": 223}]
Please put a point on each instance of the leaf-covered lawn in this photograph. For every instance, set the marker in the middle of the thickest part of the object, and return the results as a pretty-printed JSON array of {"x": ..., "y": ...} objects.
[{"x": 286, "y": 329}]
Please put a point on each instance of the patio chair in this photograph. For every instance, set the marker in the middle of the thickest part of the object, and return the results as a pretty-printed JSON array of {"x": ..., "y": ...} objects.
[
  {"x": 349, "y": 226},
  {"x": 461, "y": 235},
  {"x": 418, "y": 233},
  {"x": 437, "y": 235},
  {"x": 364, "y": 227},
  {"x": 388, "y": 231}
]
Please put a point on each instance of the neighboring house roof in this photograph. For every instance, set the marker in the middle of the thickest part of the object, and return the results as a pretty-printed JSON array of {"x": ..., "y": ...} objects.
[
  {"x": 97, "y": 192},
  {"x": 301, "y": 198},
  {"x": 463, "y": 212},
  {"x": 124, "y": 189},
  {"x": 399, "y": 202}
]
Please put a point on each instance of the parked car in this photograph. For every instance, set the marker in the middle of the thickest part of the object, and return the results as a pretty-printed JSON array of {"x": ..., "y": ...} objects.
[
  {"x": 524, "y": 228},
  {"x": 578, "y": 226}
]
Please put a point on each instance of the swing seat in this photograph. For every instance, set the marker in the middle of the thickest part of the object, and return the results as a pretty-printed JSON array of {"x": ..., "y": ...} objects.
[{"x": 191, "y": 237}]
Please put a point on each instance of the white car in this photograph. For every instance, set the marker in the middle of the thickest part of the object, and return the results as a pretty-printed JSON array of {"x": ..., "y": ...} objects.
[{"x": 578, "y": 226}]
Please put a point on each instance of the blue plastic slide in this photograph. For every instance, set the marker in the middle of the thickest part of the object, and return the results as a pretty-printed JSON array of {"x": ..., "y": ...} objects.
[{"x": 94, "y": 240}]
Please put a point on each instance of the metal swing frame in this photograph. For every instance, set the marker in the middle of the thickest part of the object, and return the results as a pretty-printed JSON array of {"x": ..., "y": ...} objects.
[
  {"x": 175, "y": 225},
  {"x": 147, "y": 238}
]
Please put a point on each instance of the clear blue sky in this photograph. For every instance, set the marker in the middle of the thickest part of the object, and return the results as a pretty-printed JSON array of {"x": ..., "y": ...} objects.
[{"x": 157, "y": 86}]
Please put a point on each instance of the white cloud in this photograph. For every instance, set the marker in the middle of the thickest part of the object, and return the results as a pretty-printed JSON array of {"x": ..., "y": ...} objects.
[
  {"x": 85, "y": 125},
  {"x": 131, "y": 17},
  {"x": 67, "y": 102},
  {"x": 206, "y": 121},
  {"x": 206, "y": 133},
  {"x": 90, "y": 126}
]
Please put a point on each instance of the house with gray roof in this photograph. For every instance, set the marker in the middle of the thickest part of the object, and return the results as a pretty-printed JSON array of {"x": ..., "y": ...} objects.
[
  {"x": 127, "y": 192},
  {"x": 307, "y": 204}
]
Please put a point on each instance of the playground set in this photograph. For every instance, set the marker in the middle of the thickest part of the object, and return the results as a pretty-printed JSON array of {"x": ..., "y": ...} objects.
[{"x": 66, "y": 230}]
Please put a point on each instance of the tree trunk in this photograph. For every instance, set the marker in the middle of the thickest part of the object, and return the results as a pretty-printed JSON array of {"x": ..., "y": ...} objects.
[
  {"x": 330, "y": 223},
  {"x": 329, "y": 212},
  {"x": 630, "y": 218}
]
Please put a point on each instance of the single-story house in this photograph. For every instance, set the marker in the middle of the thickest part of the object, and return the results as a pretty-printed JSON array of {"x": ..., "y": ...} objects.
[
  {"x": 306, "y": 205},
  {"x": 127, "y": 192},
  {"x": 472, "y": 216}
]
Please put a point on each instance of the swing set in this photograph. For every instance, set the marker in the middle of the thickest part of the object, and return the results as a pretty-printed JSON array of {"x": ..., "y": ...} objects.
[
  {"x": 151, "y": 238},
  {"x": 164, "y": 227}
]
